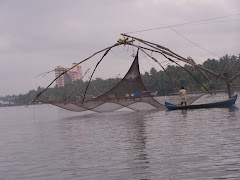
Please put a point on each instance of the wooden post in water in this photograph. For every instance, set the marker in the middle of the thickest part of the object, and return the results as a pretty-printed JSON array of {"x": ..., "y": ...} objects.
[
  {"x": 229, "y": 82},
  {"x": 227, "y": 77}
]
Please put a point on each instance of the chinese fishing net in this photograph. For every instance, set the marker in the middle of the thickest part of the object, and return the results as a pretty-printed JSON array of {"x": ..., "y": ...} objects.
[{"x": 130, "y": 92}]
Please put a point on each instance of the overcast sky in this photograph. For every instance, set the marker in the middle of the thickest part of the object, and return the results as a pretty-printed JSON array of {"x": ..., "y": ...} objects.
[{"x": 37, "y": 36}]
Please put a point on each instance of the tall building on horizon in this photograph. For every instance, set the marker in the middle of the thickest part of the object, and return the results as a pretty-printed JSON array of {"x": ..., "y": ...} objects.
[{"x": 71, "y": 76}]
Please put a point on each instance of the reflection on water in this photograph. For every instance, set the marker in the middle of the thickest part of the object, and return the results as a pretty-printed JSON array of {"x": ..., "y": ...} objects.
[
  {"x": 181, "y": 144},
  {"x": 233, "y": 109},
  {"x": 184, "y": 112}
]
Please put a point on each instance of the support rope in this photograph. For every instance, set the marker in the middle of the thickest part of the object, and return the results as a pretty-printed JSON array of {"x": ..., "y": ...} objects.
[{"x": 93, "y": 73}]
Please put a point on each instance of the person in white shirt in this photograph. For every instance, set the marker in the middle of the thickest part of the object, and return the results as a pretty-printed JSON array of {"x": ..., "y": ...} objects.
[{"x": 182, "y": 94}]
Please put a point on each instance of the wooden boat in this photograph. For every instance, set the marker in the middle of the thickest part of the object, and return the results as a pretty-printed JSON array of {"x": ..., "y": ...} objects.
[{"x": 225, "y": 103}]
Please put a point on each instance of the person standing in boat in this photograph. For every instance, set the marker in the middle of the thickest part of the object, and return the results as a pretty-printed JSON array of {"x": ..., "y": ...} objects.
[{"x": 183, "y": 97}]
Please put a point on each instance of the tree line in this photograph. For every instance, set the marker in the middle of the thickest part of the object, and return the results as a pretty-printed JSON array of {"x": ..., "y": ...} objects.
[{"x": 164, "y": 82}]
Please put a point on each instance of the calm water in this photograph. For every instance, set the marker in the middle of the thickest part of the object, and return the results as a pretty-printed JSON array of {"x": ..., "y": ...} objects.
[{"x": 44, "y": 142}]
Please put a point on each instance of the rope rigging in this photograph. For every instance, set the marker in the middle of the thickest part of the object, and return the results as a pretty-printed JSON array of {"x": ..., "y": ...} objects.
[
  {"x": 45, "y": 73},
  {"x": 187, "y": 71},
  {"x": 146, "y": 46},
  {"x": 75, "y": 86},
  {"x": 192, "y": 42},
  {"x": 93, "y": 73},
  {"x": 179, "y": 66},
  {"x": 172, "y": 81},
  {"x": 40, "y": 93},
  {"x": 182, "y": 24}
]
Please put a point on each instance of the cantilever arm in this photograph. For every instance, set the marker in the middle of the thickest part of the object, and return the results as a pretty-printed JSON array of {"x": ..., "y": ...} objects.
[
  {"x": 117, "y": 44},
  {"x": 172, "y": 54},
  {"x": 235, "y": 77}
]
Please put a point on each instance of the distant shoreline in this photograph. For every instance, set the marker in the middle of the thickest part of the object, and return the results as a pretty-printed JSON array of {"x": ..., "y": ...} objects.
[{"x": 6, "y": 105}]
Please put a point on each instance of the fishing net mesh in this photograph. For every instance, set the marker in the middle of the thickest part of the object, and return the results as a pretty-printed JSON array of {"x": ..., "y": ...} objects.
[{"x": 130, "y": 92}]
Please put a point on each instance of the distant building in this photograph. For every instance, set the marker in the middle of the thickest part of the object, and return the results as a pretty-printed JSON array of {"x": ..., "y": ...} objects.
[{"x": 71, "y": 76}]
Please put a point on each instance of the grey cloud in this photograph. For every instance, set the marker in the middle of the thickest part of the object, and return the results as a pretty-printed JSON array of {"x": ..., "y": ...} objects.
[{"x": 37, "y": 36}]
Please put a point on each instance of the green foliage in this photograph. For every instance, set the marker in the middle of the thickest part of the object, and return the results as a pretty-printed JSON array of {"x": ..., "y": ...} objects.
[{"x": 153, "y": 80}]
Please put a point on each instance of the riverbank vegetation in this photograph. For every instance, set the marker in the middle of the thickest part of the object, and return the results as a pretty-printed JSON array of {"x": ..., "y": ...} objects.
[{"x": 164, "y": 83}]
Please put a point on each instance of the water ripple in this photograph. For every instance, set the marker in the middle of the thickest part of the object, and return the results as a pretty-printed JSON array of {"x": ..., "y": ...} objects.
[{"x": 56, "y": 144}]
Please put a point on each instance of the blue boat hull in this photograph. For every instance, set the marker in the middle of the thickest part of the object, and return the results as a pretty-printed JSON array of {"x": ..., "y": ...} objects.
[{"x": 225, "y": 103}]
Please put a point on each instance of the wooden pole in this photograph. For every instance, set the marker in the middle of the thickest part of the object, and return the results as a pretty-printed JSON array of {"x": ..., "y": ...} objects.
[
  {"x": 180, "y": 58},
  {"x": 117, "y": 44},
  {"x": 229, "y": 83},
  {"x": 227, "y": 78},
  {"x": 155, "y": 60}
]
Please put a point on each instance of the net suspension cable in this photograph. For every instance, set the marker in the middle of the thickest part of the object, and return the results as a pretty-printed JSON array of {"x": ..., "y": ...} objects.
[
  {"x": 183, "y": 24},
  {"x": 155, "y": 60},
  {"x": 93, "y": 73},
  {"x": 179, "y": 66},
  {"x": 168, "y": 52},
  {"x": 75, "y": 86},
  {"x": 187, "y": 71},
  {"x": 116, "y": 44},
  {"x": 193, "y": 42},
  {"x": 156, "y": 48}
]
